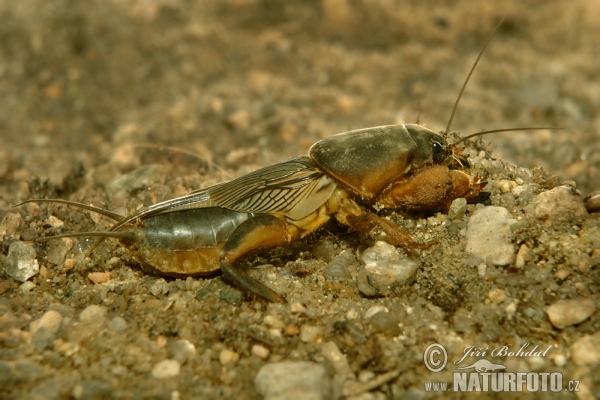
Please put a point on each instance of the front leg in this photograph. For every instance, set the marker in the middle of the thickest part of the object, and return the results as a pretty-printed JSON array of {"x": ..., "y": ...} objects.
[{"x": 351, "y": 214}]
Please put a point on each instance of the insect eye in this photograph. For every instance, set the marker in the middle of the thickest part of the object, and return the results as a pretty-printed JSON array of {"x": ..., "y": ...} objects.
[{"x": 439, "y": 152}]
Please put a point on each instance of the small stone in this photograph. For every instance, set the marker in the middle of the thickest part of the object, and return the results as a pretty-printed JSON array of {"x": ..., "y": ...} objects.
[
  {"x": 300, "y": 380},
  {"x": 50, "y": 321},
  {"x": 26, "y": 287},
  {"x": 291, "y": 330},
  {"x": 351, "y": 314},
  {"x": 99, "y": 277},
  {"x": 496, "y": 296},
  {"x": 586, "y": 351},
  {"x": 260, "y": 351},
  {"x": 565, "y": 313},
  {"x": 10, "y": 225},
  {"x": 489, "y": 236},
  {"x": 273, "y": 322},
  {"x": 386, "y": 323},
  {"x": 457, "y": 209},
  {"x": 92, "y": 389},
  {"x": 374, "y": 310},
  {"x": 166, "y": 369},
  {"x": 227, "y": 357},
  {"x": 54, "y": 222},
  {"x": 21, "y": 262},
  {"x": 117, "y": 324},
  {"x": 311, "y": 333},
  {"x": 69, "y": 264},
  {"x": 559, "y": 204},
  {"x": 522, "y": 256},
  {"x": 385, "y": 267},
  {"x": 298, "y": 308},
  {"x": 58, "y": 249},
  {"x": 337, "y": 359},
  {"x": 182, "y": 350},
  {"x": 93, "y": 313},
  {"x": 160, "y": 287},
  {"x": 561, "y": 274}
]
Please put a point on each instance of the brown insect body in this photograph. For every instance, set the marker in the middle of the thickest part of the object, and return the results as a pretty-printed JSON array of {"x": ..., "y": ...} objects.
[{"x": 396, "y": 166}]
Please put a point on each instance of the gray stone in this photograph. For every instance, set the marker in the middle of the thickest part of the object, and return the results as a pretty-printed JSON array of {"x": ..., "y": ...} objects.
[
  {"x": 457, "y": 209},
  {"x": 489, "y": 236},
  {"x": 139, "y": 179},
  {"x": 385, "y": 267},
  {"x": 301, "y": 380},
  {"x": 21, "y": 262},
  {"x": 58, "y": 249},
  {"x": 117, "y": 324}
]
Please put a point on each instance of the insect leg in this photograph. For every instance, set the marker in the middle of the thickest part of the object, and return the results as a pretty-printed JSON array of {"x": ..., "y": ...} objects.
[
  {"x": 354, "y": 216},
  {"x": 262, "y": 230}
]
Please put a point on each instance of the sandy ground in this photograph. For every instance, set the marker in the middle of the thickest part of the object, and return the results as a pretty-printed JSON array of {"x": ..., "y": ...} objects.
[{"x": 122, "y": 104}]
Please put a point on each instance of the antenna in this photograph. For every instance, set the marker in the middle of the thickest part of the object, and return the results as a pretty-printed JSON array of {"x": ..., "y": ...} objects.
[{"x": 462, "y": 90}]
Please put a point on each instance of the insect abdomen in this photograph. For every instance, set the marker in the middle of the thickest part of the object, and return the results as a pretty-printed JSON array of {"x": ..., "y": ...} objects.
[{"x": 185, "y": 242}]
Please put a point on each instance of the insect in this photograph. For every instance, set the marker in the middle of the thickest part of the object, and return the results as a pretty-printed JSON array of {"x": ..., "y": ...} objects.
[{"x": 344, "y": 176}]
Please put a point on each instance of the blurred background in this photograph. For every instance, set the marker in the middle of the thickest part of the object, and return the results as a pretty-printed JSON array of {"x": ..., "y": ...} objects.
[{"x": 247, "y": 83}]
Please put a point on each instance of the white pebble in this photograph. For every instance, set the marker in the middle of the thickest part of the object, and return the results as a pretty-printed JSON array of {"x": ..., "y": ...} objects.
[
  {"x": 565, "y": 313},
  {"x": 166, "y": 369},
  {"x": 489, "y": 236},
  {"x": 301, "y": 380},
  {"x": 374, "y": 310},
  {"x": 227, "y": 357},
  {"x": 260, "y": 351},
  {"x": 21, "y": 262},
  {"x": 310, "y": 333},
  {"x": 51, "y": 321},
  {"x": 93, "y": 313}
]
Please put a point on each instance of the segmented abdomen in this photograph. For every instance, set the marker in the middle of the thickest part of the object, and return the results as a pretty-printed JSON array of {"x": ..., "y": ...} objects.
[{"x": 185, "y": 242}]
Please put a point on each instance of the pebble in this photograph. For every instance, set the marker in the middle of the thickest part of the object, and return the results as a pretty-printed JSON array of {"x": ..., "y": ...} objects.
[
  {"x": 182, "y": 350},
  {"x": 374, "y": 310},
  {"x": 496, "y": 296},
  {"x": 457, "y": 209},
  {"x": 50, "y": 321},
  {"x": 489, "y": 236},
  {"x": 337, "y": 269},
  {"x": 10, "y": 225},
  {"x": 385, "y": 267},
  {"x": 166, "y": 369},
  {"x": 559, "y": 204},
  {"x": 92, "y": 389},
  {"x": 26, "y": 287},
  {"x": 227, "y": 357},
  {"x": 302, "y": 380},
  {"x": 298, "y": 308},
  {"x": 117, "y": 324},
  {"x": 586, "y": 351},
  {"x": 273, "y": 321},
  {"x": 386, "y": 323},
  {"x": 160, "y": 287},
  {"x": 260, "y": 351},
  {"x": 93, "y": 313},
  {"x": 57, "y": 250},
  {"x": 311, "y": 333},
  {"x": 565, "y": 313},
  {"x": 21, "y": 262},
  {"x": 99, "y": 277}
]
